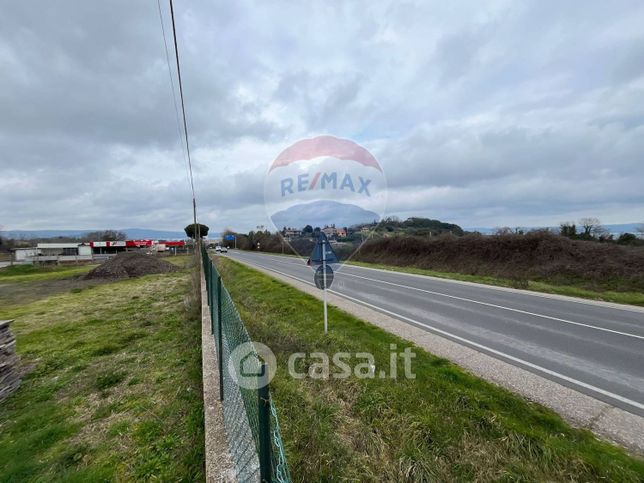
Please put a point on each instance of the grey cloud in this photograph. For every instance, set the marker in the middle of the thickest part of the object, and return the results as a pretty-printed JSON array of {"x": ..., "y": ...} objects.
[
  {"x": 457, "y": 54},
  {"x": 499, "y": 112}
]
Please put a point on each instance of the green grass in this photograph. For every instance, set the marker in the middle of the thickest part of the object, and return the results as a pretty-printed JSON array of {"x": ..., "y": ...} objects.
[
  {"x": 32, "y": 273},
  {"x": 632, "y": 298},
  {"x": 182, "y": 260},
  {"x": 445, "y": 425},
  {"x": 113, "y": 384}
]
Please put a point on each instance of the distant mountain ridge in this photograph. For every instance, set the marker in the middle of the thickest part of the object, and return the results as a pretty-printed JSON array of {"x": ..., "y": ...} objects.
[
  {"x": 615, "y": 228},
  {"x": 132, "y": 233},
  {"x": 323, "y": 213}
]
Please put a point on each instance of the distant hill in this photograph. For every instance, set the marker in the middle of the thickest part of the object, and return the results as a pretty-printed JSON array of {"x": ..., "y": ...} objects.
[
  {"x": 144, "y": 233},
  {"x": 323, "y": 213},
  {"x": 132, "y": 233},
  {"x": 612, "y": 228}
]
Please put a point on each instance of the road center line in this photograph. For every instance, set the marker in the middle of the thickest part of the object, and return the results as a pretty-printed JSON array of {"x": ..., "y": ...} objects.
[
  {"x": 502, "y": 307},
  {"x": 487, "y": 304},
  {"x": 544, "y": 370}
]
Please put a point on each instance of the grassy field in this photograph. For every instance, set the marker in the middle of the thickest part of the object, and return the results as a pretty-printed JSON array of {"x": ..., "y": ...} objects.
[
  {"x": 445, "y": 425},
  {"x": 633, "y": 298},
  {"x": 112, "y": 384},
  {"x": 31, "y": 273}
]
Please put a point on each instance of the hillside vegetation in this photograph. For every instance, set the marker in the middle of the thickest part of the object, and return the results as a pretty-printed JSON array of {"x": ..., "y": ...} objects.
[{"x": 538, "y": 256}]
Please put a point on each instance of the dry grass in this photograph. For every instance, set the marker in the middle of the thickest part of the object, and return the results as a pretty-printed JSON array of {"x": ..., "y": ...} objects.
[
  {"x": 114, "y": 391},
  {"x": 517, "y": 259}
]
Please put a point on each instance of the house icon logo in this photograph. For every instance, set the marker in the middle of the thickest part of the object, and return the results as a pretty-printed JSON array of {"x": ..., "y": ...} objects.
[
  {"x": 251, "y": 366},
  {"x": 246, "y": 368}
]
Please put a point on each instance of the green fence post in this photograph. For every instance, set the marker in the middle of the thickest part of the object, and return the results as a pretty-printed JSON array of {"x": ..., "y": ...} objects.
[
  {"x": 206, "y": 272},
  {"x": 209, "y": 269},
  {"x": 211, "y": 302},
  {"x": 220, "y": 351},
  {"x": 264, "y": 403}
]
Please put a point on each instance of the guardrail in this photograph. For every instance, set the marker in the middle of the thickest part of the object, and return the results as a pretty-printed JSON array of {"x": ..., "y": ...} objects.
[{"x": 250, "y": 418}]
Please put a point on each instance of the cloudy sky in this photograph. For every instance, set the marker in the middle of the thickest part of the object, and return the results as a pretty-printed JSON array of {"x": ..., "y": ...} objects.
[{"x": 481, "y": 113}]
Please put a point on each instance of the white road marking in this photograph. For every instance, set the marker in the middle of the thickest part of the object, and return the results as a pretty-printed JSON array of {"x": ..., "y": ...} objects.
[
  {"x": 571, "y": 380},
  {"x": 479, "y": 285},
  {"x": 487, "y": 304}
]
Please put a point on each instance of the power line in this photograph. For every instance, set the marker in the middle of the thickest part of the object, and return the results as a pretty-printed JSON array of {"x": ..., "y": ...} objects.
[
  {"x": 174, "y": 96},
  {"x": 185, "y": 124}
]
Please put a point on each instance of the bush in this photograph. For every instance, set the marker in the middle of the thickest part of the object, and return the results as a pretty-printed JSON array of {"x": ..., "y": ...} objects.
[{"x": 535, "y": 256}]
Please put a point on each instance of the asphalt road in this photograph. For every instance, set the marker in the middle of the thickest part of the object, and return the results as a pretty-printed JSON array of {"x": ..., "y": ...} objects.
[{"x": 596, "y": 349}]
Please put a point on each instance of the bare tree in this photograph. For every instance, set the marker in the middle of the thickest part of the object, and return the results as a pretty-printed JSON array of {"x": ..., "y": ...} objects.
[
  {"x": 105, "y": 235},
  {"x": 504, "y": 230},
  {"x": 592, "y": 228},
  {"x": 640, "y": 230}
]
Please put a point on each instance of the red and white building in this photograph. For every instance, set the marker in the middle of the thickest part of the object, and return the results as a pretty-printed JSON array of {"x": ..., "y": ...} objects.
[{"x": 86, "y": 251}]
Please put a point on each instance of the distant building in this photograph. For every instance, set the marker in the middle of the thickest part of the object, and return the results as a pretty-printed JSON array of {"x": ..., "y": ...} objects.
[
  {"x": 333, "y": 232},
  {"x": 87, "y": 251},
  {"x": 64, "y": 249},
  {"x": 23, "y": 255},
  {"x": 112, "y": 247},
  {"x": 289, "y": 233}
]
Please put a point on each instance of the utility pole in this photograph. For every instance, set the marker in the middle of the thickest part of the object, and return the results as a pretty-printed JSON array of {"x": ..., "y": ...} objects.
[{"x": 197, "y": 229}]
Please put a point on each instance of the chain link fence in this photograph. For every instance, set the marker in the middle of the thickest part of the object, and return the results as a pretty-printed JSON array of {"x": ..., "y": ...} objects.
[{"x": 250, "y": 418}]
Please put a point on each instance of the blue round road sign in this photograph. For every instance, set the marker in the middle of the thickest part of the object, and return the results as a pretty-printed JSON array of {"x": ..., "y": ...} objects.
[{"x": 319, "y": 277}]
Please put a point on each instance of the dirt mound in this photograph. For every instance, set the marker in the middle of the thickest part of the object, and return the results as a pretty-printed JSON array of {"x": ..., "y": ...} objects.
[{"x": 128, "y": 265}]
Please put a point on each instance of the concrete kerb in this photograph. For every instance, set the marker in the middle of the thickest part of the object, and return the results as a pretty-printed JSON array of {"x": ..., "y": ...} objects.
[
  {"x": 219, "y": 466},
  {"x": 582, "y": 411}
]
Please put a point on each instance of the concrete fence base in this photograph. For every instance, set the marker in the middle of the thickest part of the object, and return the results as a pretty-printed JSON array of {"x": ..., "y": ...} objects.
[{"x": 219, "y": 466}]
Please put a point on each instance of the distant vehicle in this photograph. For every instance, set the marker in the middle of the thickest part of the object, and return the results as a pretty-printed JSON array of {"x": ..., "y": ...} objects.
[
  {"x": 223, "y": 249},
  {"x": 217, "y": 248}
]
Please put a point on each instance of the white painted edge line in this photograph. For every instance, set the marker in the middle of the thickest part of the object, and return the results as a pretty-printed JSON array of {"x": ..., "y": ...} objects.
[
  {"x": 571, "y": 380},
  {"x": 487, "y": 304},
  {"x": 564, "y": 298}
]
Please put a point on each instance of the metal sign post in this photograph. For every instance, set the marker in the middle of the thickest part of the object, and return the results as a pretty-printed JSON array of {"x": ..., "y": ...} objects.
[
  {"x": 326, "y": 318},
  {"x": 324, "y": 274},
  {"x": 231, "y": 238}
]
